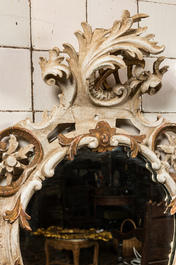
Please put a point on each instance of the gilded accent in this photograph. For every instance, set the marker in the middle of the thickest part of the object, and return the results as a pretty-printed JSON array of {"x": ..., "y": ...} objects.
[
  {"x": 172, "y": 206},
  {"x": 17, "y": 262},
  {"x": 60, "y": 233},
  {"x": 16, "y": 213},
  {"x": 103, "y": 132}
]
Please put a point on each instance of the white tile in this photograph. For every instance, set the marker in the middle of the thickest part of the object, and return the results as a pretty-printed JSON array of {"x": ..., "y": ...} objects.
[
  {"x": 15, "y": 85},
  {"x": 38, "y": 116},
  {"x": 170, "y": 117},
  {"x": 161, "y": 22},
  {"x": 54, "y": 22},
  {"x": 102, "y": 14},
  {"x": 161, "y": 1},
  {"x": 15, "y": 23},
  {"x": 44, "y": 96},
  {"x": 164, "y": 100},
  {"x": 11, "y": 118}
]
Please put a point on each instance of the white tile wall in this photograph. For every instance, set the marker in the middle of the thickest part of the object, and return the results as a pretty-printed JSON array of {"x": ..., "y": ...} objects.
[
  {"x": 102, "y": 14},
  {"x": 11, "y": 118},
  {"x": 14, "y": 23},
  {"x": 38, "y": 116},
  {"x": 54, "y": 22},
  {"x": 173, "y": 2},
  {"x": 15, "y": 79},
  {"x": 162, "y": 23},
  {"x": 44, "y": 96}
]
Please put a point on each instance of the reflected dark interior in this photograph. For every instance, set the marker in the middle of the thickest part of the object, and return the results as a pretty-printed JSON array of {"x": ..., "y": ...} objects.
[{"x": 101, "y": 190}]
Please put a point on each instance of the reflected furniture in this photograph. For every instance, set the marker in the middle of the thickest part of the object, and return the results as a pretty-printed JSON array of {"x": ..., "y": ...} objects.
[
  {"x": 100, "y": 200},
  {"x": 76, "y": 202},
  {"x": 159, "y": 230},
  {"x": 74, "y": 245},
  {"x": 158, "y": 225}
]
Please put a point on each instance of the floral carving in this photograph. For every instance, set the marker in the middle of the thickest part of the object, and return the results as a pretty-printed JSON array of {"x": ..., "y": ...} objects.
[
  {"x": 170, "y": 150},
  {"x": 107, "y": 51},
  {"x": 149, "y": 83},
  {"x": 16, "y": 213},
  {"x": 12, "y": 158},
  {"x": 103, "y": 132},
  {"x": 168, "y": 130}
]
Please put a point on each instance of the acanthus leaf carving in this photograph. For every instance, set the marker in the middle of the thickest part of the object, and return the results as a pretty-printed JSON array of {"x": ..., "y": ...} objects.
[
  {"x": 172, "y": 206},
  {"x": 16, "y": 213},
  {"x": 17, "y": 262},
  {"x": 54, "y": 72},
  {"x": 103, "y": 52}
]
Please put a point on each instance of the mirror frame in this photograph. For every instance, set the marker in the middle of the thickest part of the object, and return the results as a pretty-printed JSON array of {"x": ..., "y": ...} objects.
[{"x": 94, "y": 105}]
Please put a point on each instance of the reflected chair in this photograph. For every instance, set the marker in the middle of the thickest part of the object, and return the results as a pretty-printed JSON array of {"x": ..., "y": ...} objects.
[
  {"x": 159, "y": 231},
  {"x": 156, "y": 236}
]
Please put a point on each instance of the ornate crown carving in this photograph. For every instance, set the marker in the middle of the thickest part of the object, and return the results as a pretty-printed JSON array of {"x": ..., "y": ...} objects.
[{"x": 102, "y": 53}]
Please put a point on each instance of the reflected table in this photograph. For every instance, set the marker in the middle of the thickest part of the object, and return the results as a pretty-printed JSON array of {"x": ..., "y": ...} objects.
[{"x": 72, "y": 244}]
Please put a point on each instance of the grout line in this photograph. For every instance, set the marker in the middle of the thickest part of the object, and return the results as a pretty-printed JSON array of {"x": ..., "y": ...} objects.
[
  {"x": 27, "y": 48},
  {"x": 138, "y": 10},
  {"x": 32, "y": 67},
  {"x": 15, "y": 111},
  {"x": 137, "y": 7},
  {"x": 43, "y": 50},
  {"x": 41, "y": 111},
  {"x": 159, "y": 112},
  {"x": 86, "y": 11},
  {"x": 15, "y": 47},
  {"x": 23, "y": 111},
  {"x": 154, "y": 2}
]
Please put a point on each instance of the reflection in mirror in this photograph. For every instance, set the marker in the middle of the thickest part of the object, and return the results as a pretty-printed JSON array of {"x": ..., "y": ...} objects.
[{"x": 107, "y": 205}]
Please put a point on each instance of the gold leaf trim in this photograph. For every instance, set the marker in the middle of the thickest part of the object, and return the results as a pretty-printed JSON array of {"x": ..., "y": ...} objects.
[
  {"x": 17, "y": 262},
  {"x": 103, "y": 133},
  {"x": 60, "y": 233},
  {"x": 172, "y": 205},
  {"x": 16, "y": 213}
]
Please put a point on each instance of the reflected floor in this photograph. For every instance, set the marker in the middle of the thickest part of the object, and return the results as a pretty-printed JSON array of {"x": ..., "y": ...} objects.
[{"x": 32, "y": 249}]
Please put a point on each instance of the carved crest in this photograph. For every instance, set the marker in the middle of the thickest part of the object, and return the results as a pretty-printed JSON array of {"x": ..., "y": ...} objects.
[{"x": 102, "y": 53}]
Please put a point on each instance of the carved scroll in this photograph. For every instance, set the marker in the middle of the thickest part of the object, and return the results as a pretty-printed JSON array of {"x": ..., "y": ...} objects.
[
  {"x": 102, "y": 53},
  {"x": 103, "y": 133}
]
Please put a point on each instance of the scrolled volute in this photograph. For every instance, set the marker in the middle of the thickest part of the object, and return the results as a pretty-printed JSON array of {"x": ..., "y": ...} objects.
[{"x": 102, "y": 53}]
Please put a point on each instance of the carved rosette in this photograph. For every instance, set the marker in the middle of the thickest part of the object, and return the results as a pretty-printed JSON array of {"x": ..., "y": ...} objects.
[
  {"x": 167, "y": 130},
  {"x": 12, "y": 155},
  {"x": 103, "y": 133}
]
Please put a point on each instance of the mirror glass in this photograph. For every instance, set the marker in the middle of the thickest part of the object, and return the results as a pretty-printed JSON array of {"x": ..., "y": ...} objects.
[{"x": 106, "y": 200}]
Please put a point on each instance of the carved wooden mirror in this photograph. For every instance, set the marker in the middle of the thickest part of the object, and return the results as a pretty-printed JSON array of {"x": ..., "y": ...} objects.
[{"x": 121, "y": 173}]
